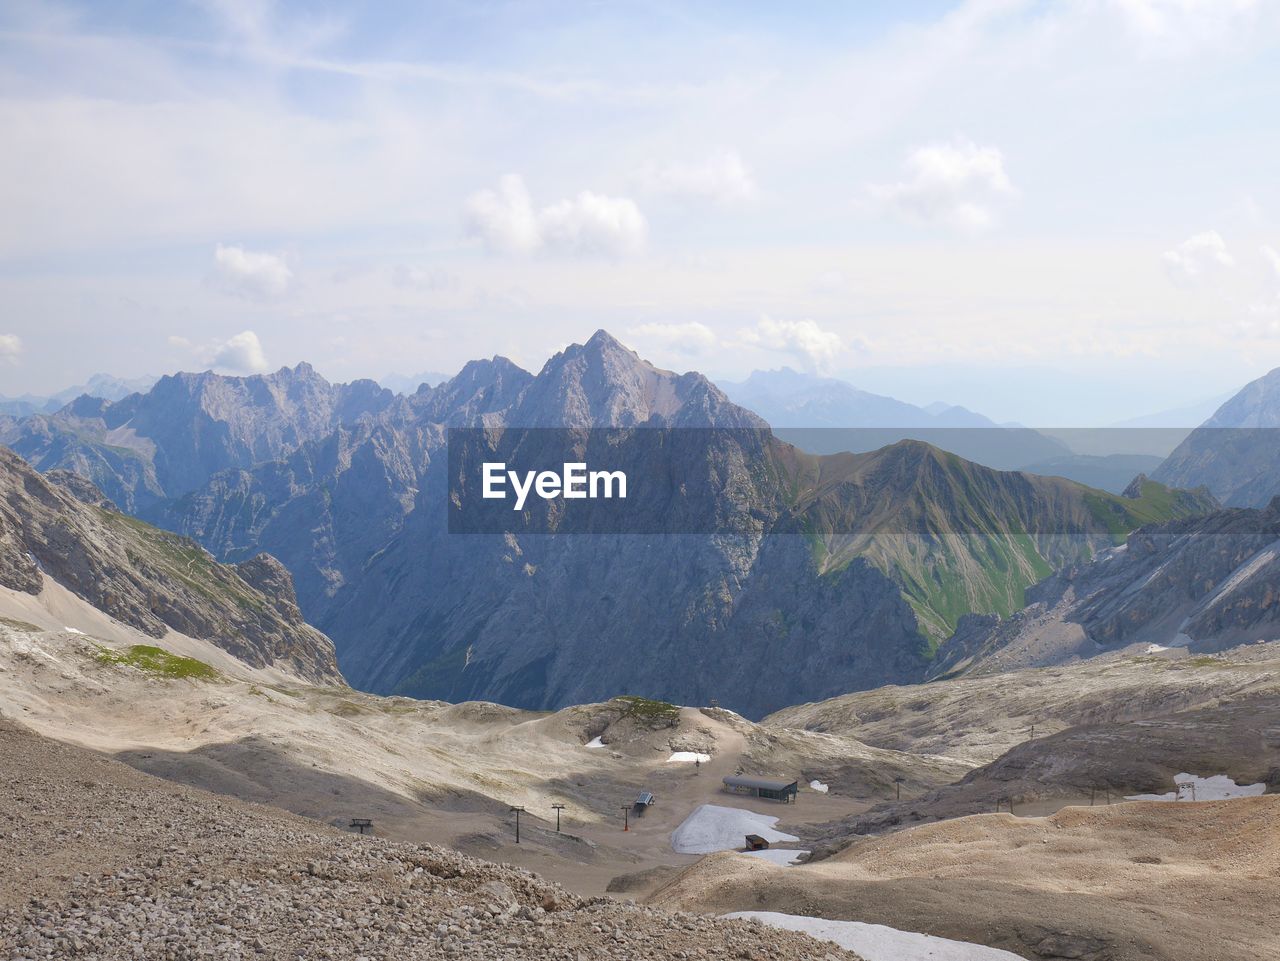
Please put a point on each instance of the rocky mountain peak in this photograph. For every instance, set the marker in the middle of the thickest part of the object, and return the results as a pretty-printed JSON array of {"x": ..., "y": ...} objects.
[{"x": 603, "y": 383}]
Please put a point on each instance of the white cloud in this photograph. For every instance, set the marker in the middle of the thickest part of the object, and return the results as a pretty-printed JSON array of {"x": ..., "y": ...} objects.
[
  {"x": 691, "y": 338},
  {"x": 242, "y": 354},
  {"x": 258, "y": 276},
  {"x": 816, "y": 349},
  {"x": 957, "y": 183},
  {"x": 10, "y": 347},
  {"x": 1197, "y": 257},
  {"x": 588, "y": 224},
  {"x": 1180, "y": 27},
  {"x": 722, "y": 179}
]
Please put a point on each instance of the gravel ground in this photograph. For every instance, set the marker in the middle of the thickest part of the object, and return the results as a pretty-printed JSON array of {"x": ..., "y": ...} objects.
[{"x": 100, "y": 861}]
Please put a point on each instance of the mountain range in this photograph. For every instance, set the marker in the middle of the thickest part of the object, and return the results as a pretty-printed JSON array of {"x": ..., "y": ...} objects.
[
  {"x": 104, "y": 386},
  {"x": 856, "y": 567}
]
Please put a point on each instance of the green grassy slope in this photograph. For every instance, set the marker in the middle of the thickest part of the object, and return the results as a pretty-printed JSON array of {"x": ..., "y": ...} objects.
[{"x": 960, "y": 538}]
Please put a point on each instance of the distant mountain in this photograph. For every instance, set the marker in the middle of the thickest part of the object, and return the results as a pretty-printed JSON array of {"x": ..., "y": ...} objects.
[
  {"x": 1188, "y": 416},
  {"x": 103, "y": 386},
  {"x": 1236, "y": 452},
  {"x": 1206, "y": 583},
  {"x": 788, "y": 398},
  {"x": 149, "y": 447},
  {"x": 147, "y": 578},
  {"x": 827, "y": 416}
]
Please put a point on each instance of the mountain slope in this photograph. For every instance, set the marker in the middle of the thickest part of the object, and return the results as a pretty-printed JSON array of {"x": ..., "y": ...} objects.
[
  {"x": 1206, "y": 583},
  {"x": 1236, "y": 452},
  {"x": 149, "y": 579}
]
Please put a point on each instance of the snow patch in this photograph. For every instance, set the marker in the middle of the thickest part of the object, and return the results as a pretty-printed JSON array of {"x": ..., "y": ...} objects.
[
  {"x": 72, "y": 630},
  {"x": 688, "y": 757},
  {"x": 595, "y": 742},
  {"x": 1156, "y": 648},
  {"x": 875, "y": 942},
  {"x": 1216, "y": 788},
  {"x": 818, "y": 786},
  {"x": 781, "y": 856},
  {"x": 714, "y": 828}
]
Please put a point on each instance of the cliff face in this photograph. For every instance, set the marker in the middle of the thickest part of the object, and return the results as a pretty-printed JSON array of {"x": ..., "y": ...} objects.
[
  {"x": 1207, "y": 583},
  {"x": 1236, "y": 452},
  {"x": 149, "y": 447},
  {"x": 150, "y": 579}
]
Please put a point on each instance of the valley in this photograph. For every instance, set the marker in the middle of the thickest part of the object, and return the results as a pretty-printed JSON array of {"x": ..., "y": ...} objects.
[{"x": 966, "y": 673}]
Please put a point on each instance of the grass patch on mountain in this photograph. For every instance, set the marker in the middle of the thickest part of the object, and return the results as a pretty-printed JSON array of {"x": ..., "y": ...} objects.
[
  {"x": 158, "y": 662},
  {"x": 645, "y": 710}
]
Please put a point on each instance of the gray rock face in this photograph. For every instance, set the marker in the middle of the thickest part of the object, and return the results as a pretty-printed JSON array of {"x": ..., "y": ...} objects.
[
  {"x": 145, "y": 448},
  {"x": 150, "y": 579},
  {"x": 1208, "y": 582},
  {"x": 1236, "y": 452}
]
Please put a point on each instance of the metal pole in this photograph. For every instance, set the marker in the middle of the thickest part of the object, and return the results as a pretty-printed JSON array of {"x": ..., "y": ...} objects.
[
  {"x": 626, "y": 817},
  {"x": 517, "y": 811},
  {"x": 558, "y": 808}
]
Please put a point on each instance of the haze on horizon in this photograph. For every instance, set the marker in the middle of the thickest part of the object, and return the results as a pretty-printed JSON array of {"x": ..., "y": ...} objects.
[{"x": 1045, "y": 212}]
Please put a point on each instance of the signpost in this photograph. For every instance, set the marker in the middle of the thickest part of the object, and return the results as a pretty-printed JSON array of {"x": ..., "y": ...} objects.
[{"x": 557, "y": 808}]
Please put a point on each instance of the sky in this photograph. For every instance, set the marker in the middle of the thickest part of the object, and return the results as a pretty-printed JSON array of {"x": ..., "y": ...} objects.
[{"x": 1066, "y": 212}]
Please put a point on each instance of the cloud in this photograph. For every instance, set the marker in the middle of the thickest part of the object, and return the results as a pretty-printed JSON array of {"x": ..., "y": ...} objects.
[
  {"x": 420, "y": 278},
  {"x": 589, "y": 224},
  {"x": 691, "y": 338},
  {"x": 957, "y": 183},
  {"x": 246, "y": 273},
  {"x": 1197, "y": 257},
  {"x": 816, "y": 349},
  {"x": 1180, "y": 27},
  {"x": 10, "y": 348},
  {"x": 722, "y": 179},
  {"x": 242, "y": 354}
]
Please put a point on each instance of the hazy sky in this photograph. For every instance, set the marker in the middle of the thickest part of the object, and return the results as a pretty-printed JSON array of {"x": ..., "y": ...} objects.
[{"x": 1085, "y": 188}]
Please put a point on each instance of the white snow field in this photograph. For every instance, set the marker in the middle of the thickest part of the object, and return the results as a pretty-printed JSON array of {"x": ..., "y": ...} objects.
[
  {"x": 875, "y": 942},
  {"x": 818, "y": 786},
  {"x": 1216, "y": 788},
  {"x": 594, "y": 742},
  {"x": 688, "y": 757},
  {"x": 714, "y": 828},
  {"x": 781, "y": 856}
]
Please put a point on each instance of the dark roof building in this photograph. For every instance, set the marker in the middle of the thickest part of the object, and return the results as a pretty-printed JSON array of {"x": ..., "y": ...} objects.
[{"x": 775, "y": 789}]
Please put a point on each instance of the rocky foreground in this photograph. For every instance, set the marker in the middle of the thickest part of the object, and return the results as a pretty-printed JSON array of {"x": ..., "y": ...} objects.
[{"x": 100, "y": 861}]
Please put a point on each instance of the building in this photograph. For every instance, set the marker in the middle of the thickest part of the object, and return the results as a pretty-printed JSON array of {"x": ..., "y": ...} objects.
[{"x": 775, "y": 789}]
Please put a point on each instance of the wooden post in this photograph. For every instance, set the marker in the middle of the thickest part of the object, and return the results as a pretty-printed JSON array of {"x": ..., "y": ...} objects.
[{"x": 626, "y": 814}]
